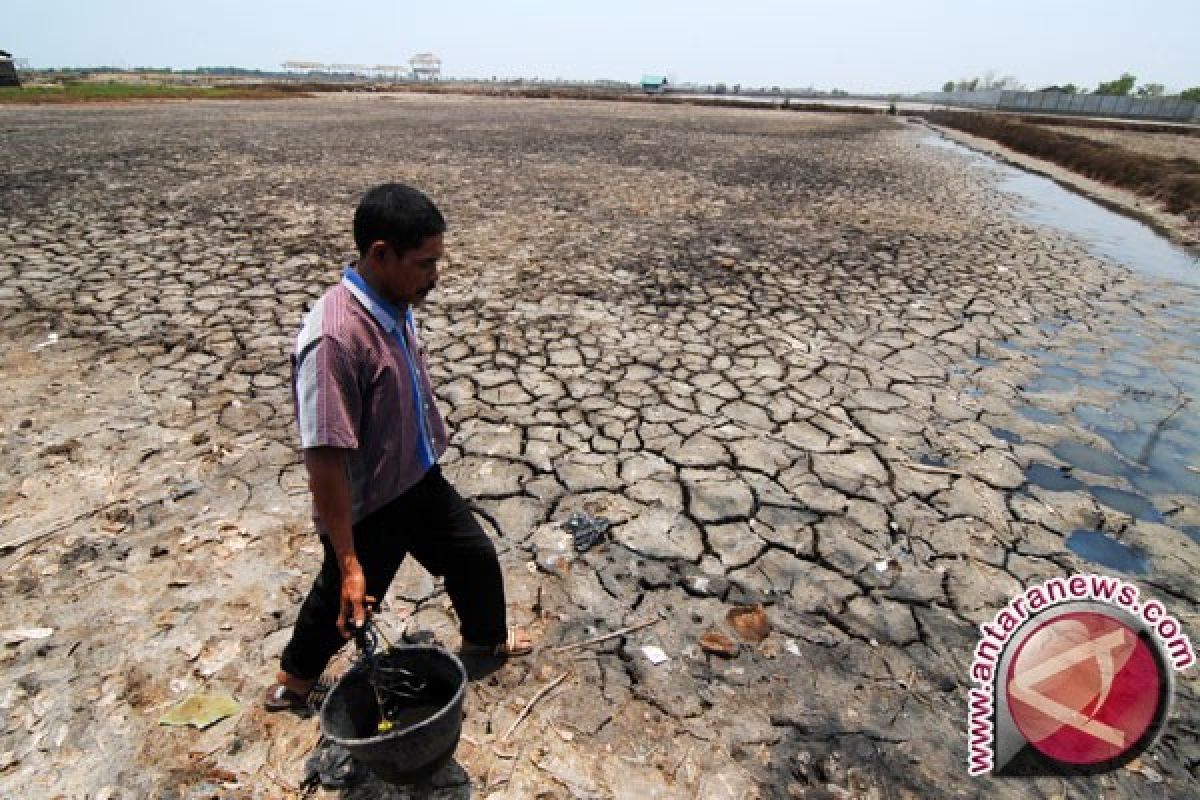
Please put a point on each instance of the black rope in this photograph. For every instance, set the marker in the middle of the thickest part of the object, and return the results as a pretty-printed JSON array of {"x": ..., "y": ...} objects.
[{"x": 395, "y": 687}]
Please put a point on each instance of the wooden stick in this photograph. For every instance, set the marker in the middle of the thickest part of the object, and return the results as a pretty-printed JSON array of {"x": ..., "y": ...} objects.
[
  {"x": 17, "y": 542},
  {"x": 26, "y": 538},
  {"x": 278, "y": 779},
  {"x": 529, "y": 706},
  {"x": 605, "y": 637}
]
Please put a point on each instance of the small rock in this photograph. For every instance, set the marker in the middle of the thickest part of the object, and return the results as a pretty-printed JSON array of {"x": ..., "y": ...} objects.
[{"x": 554, "y": 563}]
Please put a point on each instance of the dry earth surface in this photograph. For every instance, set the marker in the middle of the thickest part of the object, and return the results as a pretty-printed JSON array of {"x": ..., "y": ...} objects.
[
  {"x": 740, "y": 335},
  {"x": 1166, "y": 145}
]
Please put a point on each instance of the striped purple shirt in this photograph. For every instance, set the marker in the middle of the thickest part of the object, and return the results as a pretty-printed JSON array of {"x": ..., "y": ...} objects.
[{"x": 361, "y": 383}]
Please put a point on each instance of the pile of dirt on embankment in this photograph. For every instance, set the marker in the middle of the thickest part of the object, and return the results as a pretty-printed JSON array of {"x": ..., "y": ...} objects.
[{"x": 1175, "y": 182}]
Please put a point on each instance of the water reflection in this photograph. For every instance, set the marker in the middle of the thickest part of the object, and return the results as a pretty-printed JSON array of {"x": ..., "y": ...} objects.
[
  {"x": 1137, "y": 389},
  {"x": 1104, "y": 550}
]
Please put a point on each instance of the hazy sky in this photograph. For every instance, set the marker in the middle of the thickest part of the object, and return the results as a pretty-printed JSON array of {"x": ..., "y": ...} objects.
[{"x": 879, "y": 45}]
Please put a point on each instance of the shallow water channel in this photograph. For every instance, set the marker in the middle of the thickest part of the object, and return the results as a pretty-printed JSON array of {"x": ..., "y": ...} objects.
[{"x": 1128, "y": 406}]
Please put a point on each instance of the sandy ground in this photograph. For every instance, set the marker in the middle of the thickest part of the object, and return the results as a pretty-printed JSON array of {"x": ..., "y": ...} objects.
[{"x": 736, "y": 334}]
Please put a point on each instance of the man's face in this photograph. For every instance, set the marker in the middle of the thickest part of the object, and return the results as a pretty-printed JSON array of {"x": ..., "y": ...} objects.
[{"x": 409, "y": 278}]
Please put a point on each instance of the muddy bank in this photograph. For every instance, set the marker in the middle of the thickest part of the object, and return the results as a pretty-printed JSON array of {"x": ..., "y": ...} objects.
[
  {"x": 742, "y": 336},
  {"x": 1119, "y": 169}
]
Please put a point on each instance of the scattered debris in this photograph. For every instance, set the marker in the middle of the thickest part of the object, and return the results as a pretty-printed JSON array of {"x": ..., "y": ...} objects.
[
  {"x": 51, "y": 338},
  {"x": 332, "y": 767},
  {"x": 655, "y": 654},
  {"x": 750, "y": 622},
  {"x": 930, "y": 468},
  {"x": 25, "y": 634},
  {"x": 1138, "y": 767},
  {"x": 718, "y": 644},
  {"x": 586, "y": 530},
  {"x": 556, "y": 563},
  {"x": 201, "y": 710},
  {"x": 545, "y": 690},
  {"x": 643, "y": 387},
  {"x": 606, "y": 637},
  {"x": 699, "y": 584}
]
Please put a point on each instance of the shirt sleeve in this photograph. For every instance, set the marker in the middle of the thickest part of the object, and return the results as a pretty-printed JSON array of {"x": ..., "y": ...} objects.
[{"x": 328, "y": 399}]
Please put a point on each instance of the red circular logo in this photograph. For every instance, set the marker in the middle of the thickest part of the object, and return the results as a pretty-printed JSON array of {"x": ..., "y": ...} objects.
[{"x": 1084, "y": 688}]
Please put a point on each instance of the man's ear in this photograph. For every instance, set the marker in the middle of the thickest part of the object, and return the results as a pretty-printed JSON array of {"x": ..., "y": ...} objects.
[{"x": 377, "y": 251}]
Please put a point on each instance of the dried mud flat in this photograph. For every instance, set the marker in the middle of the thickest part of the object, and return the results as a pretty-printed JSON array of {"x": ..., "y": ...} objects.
[{"x": 740, "y": 335}]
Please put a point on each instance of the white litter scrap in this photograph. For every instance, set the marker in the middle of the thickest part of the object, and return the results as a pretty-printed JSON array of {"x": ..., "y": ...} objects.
[
  {"x": 51, "y": 338},
  {"x": 25, "y": 634},
  {"x": 655, "y": 655}
]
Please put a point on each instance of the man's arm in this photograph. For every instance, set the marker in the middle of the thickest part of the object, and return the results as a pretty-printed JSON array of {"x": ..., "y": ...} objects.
[{"x": 330, "y": 488}]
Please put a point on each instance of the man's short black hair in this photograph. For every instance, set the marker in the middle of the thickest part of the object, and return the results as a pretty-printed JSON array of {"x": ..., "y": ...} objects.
[{"x": 397, "y": 214}]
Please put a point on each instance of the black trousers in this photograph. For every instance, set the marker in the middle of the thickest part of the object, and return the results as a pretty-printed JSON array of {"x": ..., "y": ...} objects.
[{"x": 433, "y": 523}]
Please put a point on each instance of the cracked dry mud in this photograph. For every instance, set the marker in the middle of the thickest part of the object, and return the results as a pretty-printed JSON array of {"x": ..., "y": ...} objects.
[{"x": 737, "y": 334}]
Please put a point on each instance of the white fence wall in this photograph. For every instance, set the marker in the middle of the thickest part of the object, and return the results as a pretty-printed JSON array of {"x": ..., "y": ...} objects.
[{"x": 1172, "y": 109}]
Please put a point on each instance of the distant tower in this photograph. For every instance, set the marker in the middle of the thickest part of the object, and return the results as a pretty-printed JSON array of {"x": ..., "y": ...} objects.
[{"x": 426, "y": 67}]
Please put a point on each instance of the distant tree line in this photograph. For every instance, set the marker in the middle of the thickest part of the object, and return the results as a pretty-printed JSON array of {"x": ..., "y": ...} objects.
[{"x": 1124, "y": 86}]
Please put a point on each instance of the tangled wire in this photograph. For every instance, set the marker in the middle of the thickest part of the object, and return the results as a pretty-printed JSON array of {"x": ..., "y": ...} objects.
[{"x": 395, "y": 688}]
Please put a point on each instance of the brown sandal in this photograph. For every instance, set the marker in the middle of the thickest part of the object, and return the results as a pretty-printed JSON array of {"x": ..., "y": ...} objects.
[
  {"x": 509, "y": 648},
  {"x": 281, "y": 698}
]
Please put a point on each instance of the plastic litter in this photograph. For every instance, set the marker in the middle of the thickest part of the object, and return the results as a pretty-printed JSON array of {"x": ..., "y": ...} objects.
[
  {"x": 332, "y": 766},
  {"x": 655, "y": 655},
  {"x": 586, "y": 530},
  {"x": 25, "y": 634}
]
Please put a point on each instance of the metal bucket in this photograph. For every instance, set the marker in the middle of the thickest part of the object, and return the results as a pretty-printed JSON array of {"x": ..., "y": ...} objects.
[{"x": 423, "y": 737}]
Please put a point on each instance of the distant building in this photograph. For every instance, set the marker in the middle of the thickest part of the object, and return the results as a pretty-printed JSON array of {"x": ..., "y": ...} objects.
[
  {"x": 426, "y": 67},
  {"x": 393, "y": 71},
  {"x": 8, "y": 71},
  {"x": 654, "y": 84}
]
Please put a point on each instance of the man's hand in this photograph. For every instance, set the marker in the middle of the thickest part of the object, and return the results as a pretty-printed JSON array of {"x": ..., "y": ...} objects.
[{"x": 352, "y": 614}]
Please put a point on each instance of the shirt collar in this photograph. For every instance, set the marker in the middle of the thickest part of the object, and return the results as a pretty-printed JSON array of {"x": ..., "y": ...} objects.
[{"x": 386, "y": 314}]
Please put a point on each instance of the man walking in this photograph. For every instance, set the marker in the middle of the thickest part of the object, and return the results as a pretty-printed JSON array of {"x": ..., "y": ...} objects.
[{"x": 372, "y": 435}]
